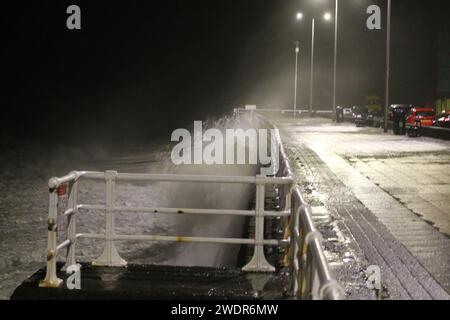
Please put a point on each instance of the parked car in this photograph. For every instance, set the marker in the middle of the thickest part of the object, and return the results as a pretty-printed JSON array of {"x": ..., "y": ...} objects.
[
  {"x": 360, "y": 116},
  {"x": 348, "y": 113},
  {"x": 365, "y": 116},
  {"x": 443, "y": 120},
  {"x": 397, "y": 114},
  {"x": 375, "y": 119},
  {"x": 399, "y": 109},
  {"x": 424, "y": 116}
]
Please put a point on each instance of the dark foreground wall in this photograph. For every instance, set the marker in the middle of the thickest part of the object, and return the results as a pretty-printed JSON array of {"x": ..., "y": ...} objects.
[{"x": 137, "y": 282}]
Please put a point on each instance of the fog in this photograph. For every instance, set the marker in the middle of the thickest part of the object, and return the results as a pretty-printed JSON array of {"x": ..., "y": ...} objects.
[
  {"x": 24, "y": 199},
  {"x": 138, "y": 70}
]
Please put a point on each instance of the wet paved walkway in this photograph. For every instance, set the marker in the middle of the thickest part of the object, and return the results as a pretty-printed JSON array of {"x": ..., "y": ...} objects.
[{"x": 384, "y": 197}]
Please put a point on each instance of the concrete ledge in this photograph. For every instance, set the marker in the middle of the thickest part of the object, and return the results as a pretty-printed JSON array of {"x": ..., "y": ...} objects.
[{"x": 151, "y": 282}]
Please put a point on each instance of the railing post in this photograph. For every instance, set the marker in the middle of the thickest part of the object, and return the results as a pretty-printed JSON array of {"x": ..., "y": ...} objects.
[
  {"x": 258, "y": 263},
  {"x": 315, "y": 281},
  {"x": 302, "y": 256},
  {"x": 294, "y": 227},
  {"x": 307, "y": 274},
  {"x": 287, "y": 204},
  {"x": 110, "y": 257},
  {"x": 51, "y": 279},
  {"x": 71, "y": 225}
]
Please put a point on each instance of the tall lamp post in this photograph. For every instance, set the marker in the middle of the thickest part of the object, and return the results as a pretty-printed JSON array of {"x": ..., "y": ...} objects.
[
  {"x": 297, "y": 50},
  {"x": 388, "y": 66},
  {"x": 311, "y": 84},
  {"x": 335, "y": 55},
  {"x": 327, "y": 17}
]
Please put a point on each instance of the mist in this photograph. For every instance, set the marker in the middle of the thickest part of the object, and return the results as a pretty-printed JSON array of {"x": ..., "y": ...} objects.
[{"x": 137, "y": 71}]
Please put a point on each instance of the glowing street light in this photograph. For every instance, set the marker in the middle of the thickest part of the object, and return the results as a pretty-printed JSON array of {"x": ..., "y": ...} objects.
[
  {"x": 327, "y": 17},
  {"x": 336, "y": 17},
  {"x": 297, "y": 50}
]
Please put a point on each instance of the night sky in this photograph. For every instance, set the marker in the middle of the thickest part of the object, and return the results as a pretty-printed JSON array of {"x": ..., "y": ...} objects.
[{"x": 143, "y": 68}]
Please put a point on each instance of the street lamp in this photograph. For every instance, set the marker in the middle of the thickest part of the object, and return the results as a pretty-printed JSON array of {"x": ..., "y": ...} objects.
[
  {"x": 311, "y": 83},
  {"x": 327, "y": 17},
  {"x": 388, "y": 65},
  {"x": 336, "y": 15},
  {"x": 297, "y": 50}
]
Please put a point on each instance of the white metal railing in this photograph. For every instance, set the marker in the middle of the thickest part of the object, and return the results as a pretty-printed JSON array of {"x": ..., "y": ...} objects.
[
  {"x": 311, "y": 278},
  {"x": 310, "y": 273},
  {"x": 111, "y": 257},
  {"x": 238, "y": 111}
]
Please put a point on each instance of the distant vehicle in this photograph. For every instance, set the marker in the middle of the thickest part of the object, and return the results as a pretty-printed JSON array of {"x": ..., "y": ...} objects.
[
  {"x": 360, "y": 115},
  {"x": 357, "y": 110},
  {"x": 375, "y": 119},
  {"x": 423, "y": 116},
  {"x": 399, "y": 109},
  {"x": 375, "y": 111},
  {"x": 348, "y": 113},
  {"x": 397, "y": 114},
  {"x": 443, "y": 120}
]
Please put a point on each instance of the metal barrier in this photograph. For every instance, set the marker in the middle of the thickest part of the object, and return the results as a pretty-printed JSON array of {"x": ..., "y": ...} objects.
[
  {"x": 238, "y": 111},
  {"x": 311, "y": 278}
]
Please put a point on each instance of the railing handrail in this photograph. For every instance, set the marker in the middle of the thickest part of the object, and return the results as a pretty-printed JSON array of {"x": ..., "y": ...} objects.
[
  {"x": 283, "y": 111},
  {"x": 75, "y": 175}
]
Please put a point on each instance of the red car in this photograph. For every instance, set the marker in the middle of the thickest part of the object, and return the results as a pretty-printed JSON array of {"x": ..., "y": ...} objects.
[{"x": 425, "y": 116}]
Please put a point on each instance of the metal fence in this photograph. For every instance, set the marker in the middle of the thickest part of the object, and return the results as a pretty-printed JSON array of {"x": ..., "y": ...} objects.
[
  {"x": 311, "y": 275},
  {"x": 284, "y": 112},
  {"x": 311, "y": 278}
]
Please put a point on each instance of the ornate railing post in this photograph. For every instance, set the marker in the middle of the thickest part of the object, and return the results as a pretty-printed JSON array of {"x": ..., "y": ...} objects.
[
  {"x": 71, "y": 225},
  {"x": 51, "y": 279}
]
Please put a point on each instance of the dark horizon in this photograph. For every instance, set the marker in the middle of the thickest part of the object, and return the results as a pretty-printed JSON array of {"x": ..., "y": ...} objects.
[{"x": 143, "y": 69}]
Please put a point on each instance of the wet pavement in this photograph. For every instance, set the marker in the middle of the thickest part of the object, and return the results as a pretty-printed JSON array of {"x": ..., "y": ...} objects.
[{"x": 380, "y": 200}]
